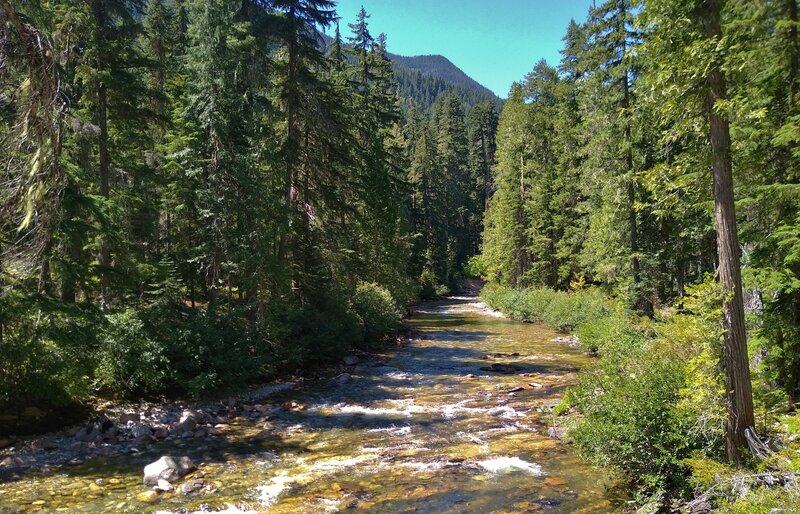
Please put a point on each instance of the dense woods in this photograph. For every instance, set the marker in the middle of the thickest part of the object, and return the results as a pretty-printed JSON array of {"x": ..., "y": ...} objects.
[
  {"x": 198, "y": 195},
  {"x": 655, "y": 165}
]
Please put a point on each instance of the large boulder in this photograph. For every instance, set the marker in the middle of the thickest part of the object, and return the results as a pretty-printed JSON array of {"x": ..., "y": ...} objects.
[{"x": 167, "y": 468}]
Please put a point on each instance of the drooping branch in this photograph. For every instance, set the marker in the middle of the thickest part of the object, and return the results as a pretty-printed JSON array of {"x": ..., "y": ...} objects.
[{"x": 31, "y": 178}]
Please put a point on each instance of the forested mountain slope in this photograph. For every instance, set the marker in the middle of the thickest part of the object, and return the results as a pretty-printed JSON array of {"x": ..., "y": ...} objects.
[{"x": 422, "y": 78}]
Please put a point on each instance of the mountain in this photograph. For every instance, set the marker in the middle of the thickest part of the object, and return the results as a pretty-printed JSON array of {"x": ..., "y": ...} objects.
[
  {"x": 422, "y": 78},
  {"x": 441, "y": 67}
]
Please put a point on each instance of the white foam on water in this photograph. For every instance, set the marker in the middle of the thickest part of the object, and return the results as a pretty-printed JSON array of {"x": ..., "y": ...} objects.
[
  {"x": 372, "y": 411},
  {"x": 407, "y": 408},
  {"x": 229, "y": 509},
  {"x": 471, "y": 438},
  {"x": 504, "y": 411},
  {"x": 393, "y": 430},
  {"x": 499, "y": 465},
  {"x": 335, "y": 464},
  {"x": 268, "y": 494},
  {"x": 420, "y": 467},
  {"x": 330, "y": 504}
]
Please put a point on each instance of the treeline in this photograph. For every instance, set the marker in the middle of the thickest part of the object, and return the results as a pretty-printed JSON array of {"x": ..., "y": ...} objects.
[
  {"x": 617, "y": 169},
  {"x": 197, "y": 194},
  {"x": 422, "y": 89}
]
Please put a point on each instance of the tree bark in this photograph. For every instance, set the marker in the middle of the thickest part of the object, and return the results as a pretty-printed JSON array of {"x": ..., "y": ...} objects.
[
  {"x": 101, "y": 117},
  {"x": 735, "y": 359},
  {"x": 794, "y": 49}
]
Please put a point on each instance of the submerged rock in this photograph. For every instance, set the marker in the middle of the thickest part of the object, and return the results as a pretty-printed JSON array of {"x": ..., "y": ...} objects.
[
  {"x": 147, "y": 496},
  {"x": 167, "y": 468},
  {"x": 490, "y": 356},
  {"x": 505, "y": 369},
  {"x": 350, "y": 360},
  {"x": 192, "y": 486}
]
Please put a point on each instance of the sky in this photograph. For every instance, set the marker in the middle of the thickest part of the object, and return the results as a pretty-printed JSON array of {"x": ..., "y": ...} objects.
[{"x": 496, "y": 42}]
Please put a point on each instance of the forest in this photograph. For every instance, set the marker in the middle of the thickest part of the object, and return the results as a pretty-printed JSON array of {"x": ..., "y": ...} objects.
[
  {"x": 200, "y": 195},
  {"x": 653, "y": 175}
]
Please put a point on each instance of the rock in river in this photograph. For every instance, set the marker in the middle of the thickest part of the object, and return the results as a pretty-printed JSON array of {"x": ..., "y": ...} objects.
[
  {"x": 167, "y": 468},
  {"x": 192, "y": 486},
  {"x": 505, "y": 369}
]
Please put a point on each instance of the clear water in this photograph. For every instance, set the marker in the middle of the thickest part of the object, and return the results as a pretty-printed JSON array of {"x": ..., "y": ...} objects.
[{"x": 428, "y": 431}]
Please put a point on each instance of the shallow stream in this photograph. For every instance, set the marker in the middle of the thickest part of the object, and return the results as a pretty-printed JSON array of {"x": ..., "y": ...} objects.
[{"x": 420, "y": 429}]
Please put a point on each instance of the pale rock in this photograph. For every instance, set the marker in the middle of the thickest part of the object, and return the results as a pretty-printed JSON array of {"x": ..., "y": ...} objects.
[{"x": 167, "y": 468}]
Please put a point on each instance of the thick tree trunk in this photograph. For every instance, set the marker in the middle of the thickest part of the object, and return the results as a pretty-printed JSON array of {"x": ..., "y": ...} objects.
[{"x": 735, "y": 359}]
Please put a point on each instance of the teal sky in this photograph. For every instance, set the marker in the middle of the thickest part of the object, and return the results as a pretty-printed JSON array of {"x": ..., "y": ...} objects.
[{"x": 495, "y": 42}]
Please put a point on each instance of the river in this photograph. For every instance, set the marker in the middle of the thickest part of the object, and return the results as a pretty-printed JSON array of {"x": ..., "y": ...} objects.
[{"x": 421, "y": 428}]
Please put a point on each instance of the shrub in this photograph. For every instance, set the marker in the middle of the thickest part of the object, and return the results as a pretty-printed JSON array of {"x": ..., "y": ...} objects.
[
  {"x": 129, "y": 361},
  {"x": 475, "y": 266},
  {"x": 47, "y": 352},
  {"x": 207, "y": 349},
  {"x": 631, "y": 422},
  {"x": 300, "y": 334},
  {"x": 561, "y": 310},
  {"x": 378, "y": 312},
  {"x": 430, "y": 287}
]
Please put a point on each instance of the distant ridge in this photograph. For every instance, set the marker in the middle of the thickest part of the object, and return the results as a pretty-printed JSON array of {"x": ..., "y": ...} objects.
[
  {"x": 440, "y": 66},
  {"x": 422, "y": 78}
]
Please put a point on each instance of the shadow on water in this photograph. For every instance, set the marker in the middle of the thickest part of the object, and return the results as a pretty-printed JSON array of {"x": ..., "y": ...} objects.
[{"x": 346, "y": 440}]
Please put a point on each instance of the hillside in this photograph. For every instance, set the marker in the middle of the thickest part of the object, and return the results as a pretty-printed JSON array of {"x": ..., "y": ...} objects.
[
  {"x": 422, "y": 78},
  {"x": 441, "y": 67}
]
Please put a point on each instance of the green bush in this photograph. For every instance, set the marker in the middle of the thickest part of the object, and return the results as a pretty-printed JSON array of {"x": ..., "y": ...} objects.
[
  {"x": 430, "y": 287},
  {"x": 47, "y": 352},
  {"x": 561, "y": 310},
  {"x": 207, "y": 349},
  {"x": 129, "y": 361},
  {"x": 631, "y": 421},
  {"x": 475, "y": 266},
  {"x": 378, "y": 312},
  {"x": 633, "y": 401},
  {"x": 300, "y": 334}
]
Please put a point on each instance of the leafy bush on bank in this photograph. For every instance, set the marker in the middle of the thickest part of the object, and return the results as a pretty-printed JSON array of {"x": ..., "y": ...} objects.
[
  {"x": 377, "y": 311},
  {"x": 652, "y": 405},
  {"x": 55, "y": 354}
]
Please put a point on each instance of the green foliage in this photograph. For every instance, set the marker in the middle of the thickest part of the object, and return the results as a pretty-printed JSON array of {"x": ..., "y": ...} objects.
[
  {"x": 46, "y": 358},
  {"x": 475, "y": 266},
  {"x": 430, "y": 287},
  {"x": 652, "y": 400},
  {"x": 631, "y": 422},
  {"x": 378, "y": 312},
  {"x": 129, "y": 361},
  {"x": 564, "y": 311}
]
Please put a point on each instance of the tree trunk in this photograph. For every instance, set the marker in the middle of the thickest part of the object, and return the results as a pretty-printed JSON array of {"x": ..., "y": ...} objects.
[
  {"x": 735, "y": 360},
  {"x": 101, "y": 118},
  {"x": 633, "y": 228},
  {"x": 794, "y": 48}
]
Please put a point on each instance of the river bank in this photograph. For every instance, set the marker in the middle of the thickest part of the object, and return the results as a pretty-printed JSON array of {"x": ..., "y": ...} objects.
[{"x": 457, "y": 420}]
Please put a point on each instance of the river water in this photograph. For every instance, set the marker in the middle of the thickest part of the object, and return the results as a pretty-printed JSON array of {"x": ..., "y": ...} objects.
[{"x": 421, "y": 428}]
